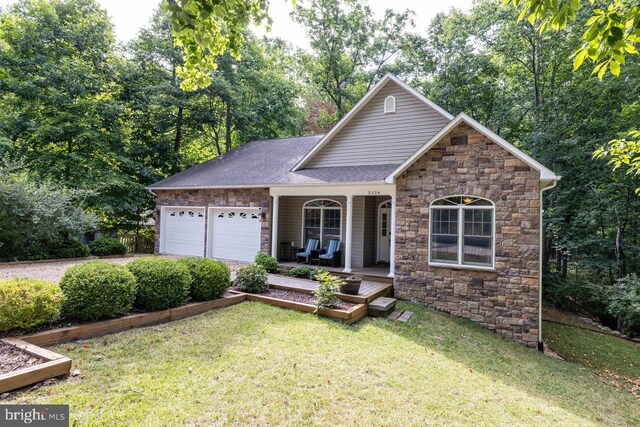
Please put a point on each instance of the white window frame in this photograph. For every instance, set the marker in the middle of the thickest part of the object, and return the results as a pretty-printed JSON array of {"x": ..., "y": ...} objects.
[
  {"x": 390, "y": 108},
  {"x": 461, "y": 209},
  {"x": 322, "y": 209}
]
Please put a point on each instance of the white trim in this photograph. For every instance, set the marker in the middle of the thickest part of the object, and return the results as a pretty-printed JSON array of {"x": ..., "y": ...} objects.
[
  {"x": 322, "y": 208},
  {"x": 379, "y": 229},
  {"x": 349, "y": 238},
  {"x": 545, "y": 173},
  {"x": 392, "y": 107},
  {"x": 273, "y": 185},
  {"x": 363, "y": 101},
  {"x": 320, "y": 191},
  {"x": 392, "y": 250},
  {"x": 274, "y": 225},
  {"x": 163, "y": 228},
  {"x": 461, "y": 208}
]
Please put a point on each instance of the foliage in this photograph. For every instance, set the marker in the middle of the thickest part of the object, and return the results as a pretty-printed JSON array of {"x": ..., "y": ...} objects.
[
  {"x": 105, "y": 245},
  {"x": 612, "y": 31},
  {"x": 576, "y": 295},
  {"x": 351, "y": 48},
  {"x": 623, "y": 152},
  {"x": 624, "y": 304},
  {"x": 210, "y": 278},
  {"x": 326, "y": 291},
  {"x": 252, "y": 278},
  {"x": 205, "y": 29},
  {"x": 300, "y": 272},
  {"x": 268, "y": 262},
  {"x": 97, "y": 290},
  {"x": 162, "y": 283},
  {"x": 317, "y": 272},
  {"x": 38, "y": 219},
  {"x": 26, "y": 303}
]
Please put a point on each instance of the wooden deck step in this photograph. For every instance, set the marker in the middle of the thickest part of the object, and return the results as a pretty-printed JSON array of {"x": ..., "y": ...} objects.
[{"x": 381, "y": 306}]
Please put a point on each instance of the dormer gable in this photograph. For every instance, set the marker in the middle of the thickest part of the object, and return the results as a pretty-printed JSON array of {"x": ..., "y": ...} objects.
[{"x": 386, "y": 126}]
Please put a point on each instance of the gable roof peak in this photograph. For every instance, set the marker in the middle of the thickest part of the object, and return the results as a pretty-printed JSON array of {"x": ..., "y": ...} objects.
[{"x": 363, "y": 101}]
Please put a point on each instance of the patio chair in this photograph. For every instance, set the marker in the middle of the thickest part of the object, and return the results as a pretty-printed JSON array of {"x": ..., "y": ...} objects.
[
  {"x": 305, "y": 253},
  {"x": 332, "y": 253}
]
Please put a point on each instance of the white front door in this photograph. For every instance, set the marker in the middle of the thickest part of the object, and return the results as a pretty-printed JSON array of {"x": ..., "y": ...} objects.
[
  {"x": 234, "y": 233},
  {"x": 182, "y": 231},
  {"x": 384, "y": 231}
]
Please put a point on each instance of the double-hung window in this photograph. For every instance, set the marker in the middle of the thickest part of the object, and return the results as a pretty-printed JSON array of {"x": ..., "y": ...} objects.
[
  {"x": 462, "y": 232},
  {"x": 322, "y": 221}
]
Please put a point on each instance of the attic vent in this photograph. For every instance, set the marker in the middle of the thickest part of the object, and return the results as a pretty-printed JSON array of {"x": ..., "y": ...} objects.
[
  {"x": 390, "y": 104},
  {"x": 459, "y": 140}
]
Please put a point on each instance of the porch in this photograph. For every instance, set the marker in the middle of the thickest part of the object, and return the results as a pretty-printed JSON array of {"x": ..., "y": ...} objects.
[
  {"x": 362, "y": 218},
  {"x": 377, "y": 273}
]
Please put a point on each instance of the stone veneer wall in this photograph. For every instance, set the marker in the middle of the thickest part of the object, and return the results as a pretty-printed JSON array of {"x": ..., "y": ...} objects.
[
  {"x": 241, "y": 197},
  {"x": 504, "y": 300}
]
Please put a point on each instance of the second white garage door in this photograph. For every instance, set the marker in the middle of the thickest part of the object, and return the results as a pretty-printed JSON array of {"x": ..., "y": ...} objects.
[{"x": 234, "y": 233}]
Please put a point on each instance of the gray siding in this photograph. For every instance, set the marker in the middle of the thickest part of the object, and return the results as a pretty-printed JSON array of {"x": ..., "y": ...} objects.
[
  {"x": 370, "y": 231},
  {"x": 290, "y": 225},
  {"x": 373, "y": 137}
]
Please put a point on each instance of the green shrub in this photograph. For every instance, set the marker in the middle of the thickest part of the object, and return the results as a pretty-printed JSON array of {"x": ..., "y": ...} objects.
[
  {"x": 326, "y": 291},
  {"x": 268, "y": 262},
  {"x": 624, "y": 304},
  {"x": 105, "y": 245},
  {"x": 252, "y": 278},
  {"x": 98, "y": 290},
  {"x": 26, "y": 303},
  {"x": 210, "y": 278},
  {"x": 300, "y": 271},
  {"x": 576, "y": 295},
  {"x": 317, "y": 272},
  {"x": 68, "y": 249},
  {"x": 162, "y": 283}
]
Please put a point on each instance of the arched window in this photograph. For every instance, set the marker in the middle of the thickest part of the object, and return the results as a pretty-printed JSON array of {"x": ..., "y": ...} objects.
[
  {"x": 322, "y": 220},
  {"x": 390, "y": 104},
  {"x": 461, "y": 232}
]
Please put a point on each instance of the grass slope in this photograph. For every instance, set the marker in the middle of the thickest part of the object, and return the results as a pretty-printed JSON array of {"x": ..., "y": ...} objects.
[{"x": 254, "y": 364}]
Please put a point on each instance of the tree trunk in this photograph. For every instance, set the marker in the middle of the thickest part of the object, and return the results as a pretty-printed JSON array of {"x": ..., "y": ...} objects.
[
  {"x": 228, "y": 127},
  {"x": 565, "y": 264},
  {"x": 618, "y": 248},
  {"x": 178, "y": 139}
]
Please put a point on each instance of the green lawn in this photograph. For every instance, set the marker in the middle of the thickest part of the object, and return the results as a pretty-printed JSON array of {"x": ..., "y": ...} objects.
[
  {"x": 595, "y": 350},
  {"x": 254, "y": 364}
]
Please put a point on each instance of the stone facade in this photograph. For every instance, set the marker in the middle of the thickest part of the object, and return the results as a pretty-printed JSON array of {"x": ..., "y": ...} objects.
[
  {"x": 504, "y": 300},
  {"x": 241, "y": 197}
]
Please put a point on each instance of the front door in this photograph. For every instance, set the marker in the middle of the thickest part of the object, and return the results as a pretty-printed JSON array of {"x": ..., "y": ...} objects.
[{"x": 384, "y": 231}]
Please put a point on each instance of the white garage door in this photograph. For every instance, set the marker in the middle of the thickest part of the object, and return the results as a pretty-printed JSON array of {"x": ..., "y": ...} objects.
[
  {"x": 183, "y": 231},
  {"x": 234, "y": 233}
]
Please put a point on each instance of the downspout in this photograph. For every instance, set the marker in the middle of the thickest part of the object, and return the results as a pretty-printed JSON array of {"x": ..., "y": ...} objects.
[{"x": 540, "y": 255}]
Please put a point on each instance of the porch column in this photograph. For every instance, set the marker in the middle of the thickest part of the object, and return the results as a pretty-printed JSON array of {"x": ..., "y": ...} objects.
[
  {"x": 392, "y": 249},
  {"x": 274, "y": 227},
  {"x": 347, "y": 244}
]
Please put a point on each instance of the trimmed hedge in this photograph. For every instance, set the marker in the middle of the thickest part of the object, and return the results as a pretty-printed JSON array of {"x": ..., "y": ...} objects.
[
  {"x": 210, "y": 278},
  {"x": 98, "y": 290},
  {"x": 68, "y": 249},
  {"x": 162, "y": 283},
  {"x": 26, "y": 303},
  {"x": 268, "y": 262},
  {"x": 105, "y": 245},
  {"x": 252, "y": 278}
]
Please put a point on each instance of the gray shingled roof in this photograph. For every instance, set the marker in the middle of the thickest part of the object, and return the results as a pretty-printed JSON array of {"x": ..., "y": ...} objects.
[{"x": 268, "y": 162}]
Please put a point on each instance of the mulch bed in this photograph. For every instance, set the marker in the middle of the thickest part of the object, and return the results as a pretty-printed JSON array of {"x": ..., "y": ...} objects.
[
  {"x": 12, "y": 358},
  {"x": 299, "y": 297}
]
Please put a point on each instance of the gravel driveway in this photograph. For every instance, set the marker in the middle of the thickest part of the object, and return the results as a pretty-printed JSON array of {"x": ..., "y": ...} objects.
[{"x": 53, "y": 271}]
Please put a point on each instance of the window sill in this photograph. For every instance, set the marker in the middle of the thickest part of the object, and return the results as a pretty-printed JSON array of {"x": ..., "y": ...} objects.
[{"x": 461, "y": 267}]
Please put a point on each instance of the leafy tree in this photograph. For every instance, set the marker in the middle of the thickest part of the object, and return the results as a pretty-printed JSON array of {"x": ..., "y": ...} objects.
[
  {"x": 612, "y": 33},
  {"x": 59, "y": 102},
  {"x": 351, "y": 48},
  {"x": 206, "y": 29}
]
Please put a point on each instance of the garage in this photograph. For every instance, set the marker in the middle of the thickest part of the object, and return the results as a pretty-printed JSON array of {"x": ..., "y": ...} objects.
[
  {"x": 234, "y": 233},
  {"x": 182, "y": 231}
]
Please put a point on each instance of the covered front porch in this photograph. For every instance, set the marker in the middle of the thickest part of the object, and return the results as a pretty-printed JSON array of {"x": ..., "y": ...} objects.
[{"x": 361, "y": 218}]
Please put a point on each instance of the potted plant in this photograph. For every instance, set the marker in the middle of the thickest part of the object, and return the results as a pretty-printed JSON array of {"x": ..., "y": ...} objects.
[{"x": 351, "y": 285}]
